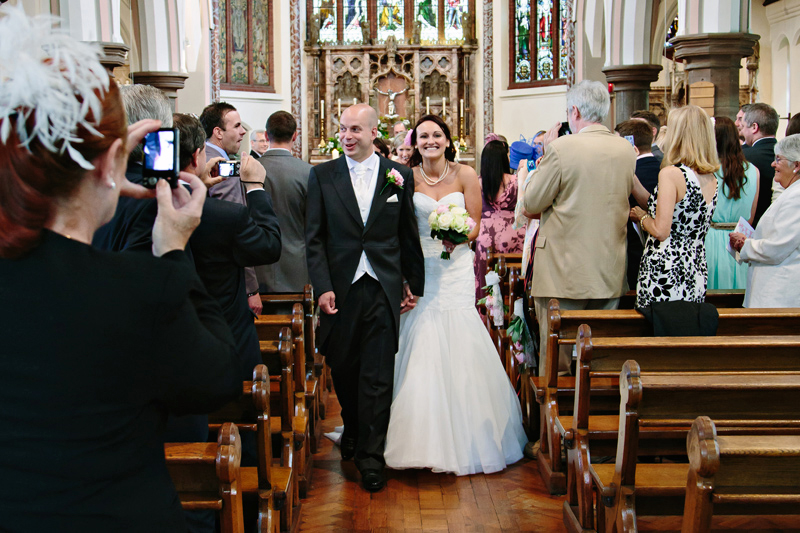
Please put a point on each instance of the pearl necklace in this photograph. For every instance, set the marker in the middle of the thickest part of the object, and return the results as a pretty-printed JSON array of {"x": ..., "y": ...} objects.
[{"x": 433, "y": 182}]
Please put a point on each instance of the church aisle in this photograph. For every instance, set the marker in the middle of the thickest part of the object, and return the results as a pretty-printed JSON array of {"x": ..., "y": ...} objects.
[{"x": 418, "y": 500}]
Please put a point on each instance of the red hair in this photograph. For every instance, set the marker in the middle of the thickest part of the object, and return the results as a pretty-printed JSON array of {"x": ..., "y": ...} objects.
[{"x": 31, "y": 181}]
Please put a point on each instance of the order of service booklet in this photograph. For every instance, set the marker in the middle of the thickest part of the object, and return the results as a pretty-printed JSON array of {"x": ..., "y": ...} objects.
[{"x": 745, "y": 228}]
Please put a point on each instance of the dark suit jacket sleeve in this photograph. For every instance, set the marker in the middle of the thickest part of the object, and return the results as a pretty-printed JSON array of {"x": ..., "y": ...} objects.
[
  {"x": 197, "y": 370},
  {"x": 258, "y": 234},
  {"x": 412, "y": 262},
  {"x": 316, "y": 237}
]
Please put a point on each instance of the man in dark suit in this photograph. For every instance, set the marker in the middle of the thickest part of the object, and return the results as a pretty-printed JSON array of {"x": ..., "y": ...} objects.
[
  {"x": 287, "y": 183},
  {"x": 258, "y": 143},
  {"x": 362, "y": 242},
  {"x": 759, "y": 126},
  {"x": 224, "y": 133},
  {"x": 652, "y": 120},
  {"x": 647, "y": 169},
  {"x": 229, "y": 238}
]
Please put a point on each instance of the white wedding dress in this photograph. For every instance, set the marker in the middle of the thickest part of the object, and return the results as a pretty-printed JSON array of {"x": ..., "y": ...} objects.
[{"x": 454, "y": 409}]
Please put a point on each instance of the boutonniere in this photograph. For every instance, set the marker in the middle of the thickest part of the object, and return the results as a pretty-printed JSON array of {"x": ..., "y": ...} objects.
[{"x": 393, "y": 177}]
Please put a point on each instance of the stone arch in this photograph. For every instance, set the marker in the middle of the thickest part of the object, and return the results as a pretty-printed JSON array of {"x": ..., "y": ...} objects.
[{"x": 660, "y": 26}]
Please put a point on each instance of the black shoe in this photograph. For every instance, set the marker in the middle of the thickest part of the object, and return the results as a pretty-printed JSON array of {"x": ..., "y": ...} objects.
[
  {"x": 372, "y": 480},
  {"x": 348, "y": 448}
]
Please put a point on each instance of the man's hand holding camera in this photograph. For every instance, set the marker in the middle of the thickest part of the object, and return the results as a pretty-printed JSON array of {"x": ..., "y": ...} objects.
[{"x": 253, "y": 173}]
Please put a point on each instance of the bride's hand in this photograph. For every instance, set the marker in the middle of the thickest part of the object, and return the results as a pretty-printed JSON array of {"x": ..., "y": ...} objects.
[
  {"x": 449, "y": 246},
  {"x": 409, "y": 300}
]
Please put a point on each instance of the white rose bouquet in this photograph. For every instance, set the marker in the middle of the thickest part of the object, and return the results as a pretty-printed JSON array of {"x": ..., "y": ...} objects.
[{"x": 450, "y": 223}]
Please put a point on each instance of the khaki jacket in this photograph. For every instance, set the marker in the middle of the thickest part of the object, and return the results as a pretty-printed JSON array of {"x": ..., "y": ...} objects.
[{"x": 581, "y": 189}]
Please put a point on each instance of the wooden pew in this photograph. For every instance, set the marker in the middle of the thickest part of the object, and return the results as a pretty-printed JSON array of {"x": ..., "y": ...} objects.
[
  {"x": 657, "y": 410},
  {"x": 283, "y": 303},
  {"x": 552, "y": 389},
  {"x": 207, "y": 476},
  {"x": 271, "y": 481},
  {"x": 296, "y": 417},
  {"x": 759, "y": 472},
  {"x": 717, "y": 297}
]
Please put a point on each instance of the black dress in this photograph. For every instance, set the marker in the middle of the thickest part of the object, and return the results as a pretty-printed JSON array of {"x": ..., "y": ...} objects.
[
  {"x": 96, "y": 348},
  {"x": 676, "y": 268}
]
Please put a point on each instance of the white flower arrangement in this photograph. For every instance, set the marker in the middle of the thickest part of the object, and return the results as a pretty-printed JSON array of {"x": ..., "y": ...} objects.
[{"x": 450, "y": 223}]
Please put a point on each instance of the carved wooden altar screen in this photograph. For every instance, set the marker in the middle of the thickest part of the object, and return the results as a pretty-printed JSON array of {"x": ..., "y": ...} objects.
[{"x": 402, "y": 58}]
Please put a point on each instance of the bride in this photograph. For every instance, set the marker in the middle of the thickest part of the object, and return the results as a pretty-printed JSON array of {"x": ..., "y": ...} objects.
[{"x": 454, "y": 409}]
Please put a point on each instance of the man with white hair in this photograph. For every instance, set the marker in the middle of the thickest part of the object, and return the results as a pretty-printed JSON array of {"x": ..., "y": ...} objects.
[
  {"x": 581, "y": 189},
  {"x": 258, "y": 143}
]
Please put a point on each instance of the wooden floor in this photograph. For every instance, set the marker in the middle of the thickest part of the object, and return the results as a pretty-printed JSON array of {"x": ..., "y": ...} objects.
[{"x": 419, "y": 500}]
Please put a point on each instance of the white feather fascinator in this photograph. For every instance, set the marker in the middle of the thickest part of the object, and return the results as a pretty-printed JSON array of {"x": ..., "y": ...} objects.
[{"x": 47, "y": 75}]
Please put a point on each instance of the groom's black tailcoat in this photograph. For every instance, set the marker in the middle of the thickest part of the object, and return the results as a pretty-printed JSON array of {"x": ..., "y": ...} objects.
[{"x": 362, "y": 363}]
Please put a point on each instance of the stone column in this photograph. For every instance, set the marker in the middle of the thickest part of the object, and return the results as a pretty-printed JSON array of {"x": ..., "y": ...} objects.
[
  {"x": 168, "y": 82},
  {"x": 114, "y": 55},
  {"x": 631, "y": 88},
  {"x": 716, "y": 58}
]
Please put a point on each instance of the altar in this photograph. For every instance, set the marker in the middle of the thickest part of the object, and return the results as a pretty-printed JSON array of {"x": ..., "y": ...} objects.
[{"x": 402, "y": 78}]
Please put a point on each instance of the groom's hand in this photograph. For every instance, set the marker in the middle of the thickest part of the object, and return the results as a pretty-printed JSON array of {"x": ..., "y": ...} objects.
[
  {"x": 327, "y": 302},
  {"x": 409, "y": 300}
]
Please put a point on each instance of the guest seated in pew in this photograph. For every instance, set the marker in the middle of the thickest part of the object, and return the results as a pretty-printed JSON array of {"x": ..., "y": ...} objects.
[
  {"x": 773, "y": 252},
  {"x": 90, "y": 370},
  {"x": 679, "y": 213}
]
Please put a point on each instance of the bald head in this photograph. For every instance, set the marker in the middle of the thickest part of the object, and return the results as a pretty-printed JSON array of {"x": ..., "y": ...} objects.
[{"x": 358, "y": 127}]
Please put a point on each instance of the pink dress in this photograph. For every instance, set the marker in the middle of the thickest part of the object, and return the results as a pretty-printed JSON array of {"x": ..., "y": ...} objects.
[{"x": 497, "y": 231}]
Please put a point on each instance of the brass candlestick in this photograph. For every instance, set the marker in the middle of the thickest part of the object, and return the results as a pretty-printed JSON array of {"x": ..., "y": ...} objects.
[
  {"x": 322, "y": 142},
  {"x": 462, "y": 141}
]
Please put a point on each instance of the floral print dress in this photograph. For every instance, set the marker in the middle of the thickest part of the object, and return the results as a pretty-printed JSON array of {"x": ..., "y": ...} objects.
[
  {"x": 676, "y": 268},
  {"x": 497, "y": 230}
]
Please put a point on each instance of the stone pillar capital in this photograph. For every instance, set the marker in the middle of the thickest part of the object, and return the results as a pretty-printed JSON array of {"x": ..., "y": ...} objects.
[
  {"x": 168, "y": 82},
  {"x": 632, "y": 77},
  {"x": 114, "y": 55},
  {"x": 713, "y": 50},
  {"x": 716, "y": 58},
  {"x": 631, "y": 87}
]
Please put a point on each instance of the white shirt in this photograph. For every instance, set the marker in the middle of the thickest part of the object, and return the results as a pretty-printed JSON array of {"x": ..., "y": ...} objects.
[
  {"x": 773, "y": 279},
  {"x": 364, "y": 191}
]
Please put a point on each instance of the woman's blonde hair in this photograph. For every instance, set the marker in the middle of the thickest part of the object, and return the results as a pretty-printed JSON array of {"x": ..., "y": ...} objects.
[{"x": 690, "y": 140}]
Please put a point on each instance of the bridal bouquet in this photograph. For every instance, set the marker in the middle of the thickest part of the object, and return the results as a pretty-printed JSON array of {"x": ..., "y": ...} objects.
[{"x": 450, "y": 223}]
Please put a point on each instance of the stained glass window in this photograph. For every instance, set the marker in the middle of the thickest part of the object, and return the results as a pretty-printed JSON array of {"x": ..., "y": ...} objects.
[
  {"x": 325, "y": 10},
  {"x": 245, "y": 44},
  {"x": 391, "y": 19},
  {"x": 540, "y": 47},
  {"x": 354, "y": 13},
  {"x": 453, "y": 27},
  {"x": 427, "y": 14}
]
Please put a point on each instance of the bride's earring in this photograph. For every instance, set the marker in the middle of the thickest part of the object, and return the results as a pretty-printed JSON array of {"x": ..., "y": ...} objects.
[{"x": 111, "y": 183}]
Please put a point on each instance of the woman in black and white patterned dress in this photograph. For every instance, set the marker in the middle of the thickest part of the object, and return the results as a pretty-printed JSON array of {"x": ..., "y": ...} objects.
[{"x": 679, "y": 213}]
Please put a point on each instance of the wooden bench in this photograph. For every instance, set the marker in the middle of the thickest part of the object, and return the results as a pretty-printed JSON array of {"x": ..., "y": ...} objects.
[
  {"x": 296, "y": 417},
  {"x": 657, "y": 410},
  {"x": 207, "y": 476},
  {"x": 283, "y": 303},
  {"x": 272, "y": 480},
  {"x": 563, "y": 327},
  {"x": 759, "y": 474}
]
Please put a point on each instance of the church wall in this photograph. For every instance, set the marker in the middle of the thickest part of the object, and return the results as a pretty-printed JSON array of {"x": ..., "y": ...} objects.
[{"x": 783, "y": 42}]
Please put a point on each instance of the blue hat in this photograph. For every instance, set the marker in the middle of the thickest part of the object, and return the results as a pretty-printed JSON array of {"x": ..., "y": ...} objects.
[{"x": 518, "y": 151}]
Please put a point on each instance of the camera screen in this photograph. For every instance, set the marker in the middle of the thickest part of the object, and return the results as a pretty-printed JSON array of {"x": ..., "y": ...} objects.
[
  {"x": 227, "y": 169},
  {"x": 159, "y": 150}
]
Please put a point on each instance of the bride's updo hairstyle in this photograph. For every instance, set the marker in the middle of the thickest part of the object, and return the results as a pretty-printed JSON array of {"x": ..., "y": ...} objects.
[
  {"x": 449, "y": 152},
  {"x": 58, "y": 112}
]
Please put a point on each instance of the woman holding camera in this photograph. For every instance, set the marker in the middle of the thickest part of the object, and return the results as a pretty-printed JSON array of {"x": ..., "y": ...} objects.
[{"x": 97, "y": 347}]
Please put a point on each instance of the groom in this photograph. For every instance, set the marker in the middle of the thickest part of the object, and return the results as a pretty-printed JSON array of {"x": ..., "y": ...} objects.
[{"x": 365, "y": 261}]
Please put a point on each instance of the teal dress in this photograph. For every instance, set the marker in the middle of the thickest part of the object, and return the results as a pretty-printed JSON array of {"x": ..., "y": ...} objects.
[{"x": 723, "y": 270}]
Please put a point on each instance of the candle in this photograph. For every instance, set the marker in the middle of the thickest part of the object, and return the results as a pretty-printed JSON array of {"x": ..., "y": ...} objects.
[
  {"x": 444, "y": 107},
  {"x": 462, "y": 108},
  {"x": 339, "y": 107},
  {"x": 355, "y": 101},
  {"x": 322, "y": 109},
  {"x": 427, "y": 105}
]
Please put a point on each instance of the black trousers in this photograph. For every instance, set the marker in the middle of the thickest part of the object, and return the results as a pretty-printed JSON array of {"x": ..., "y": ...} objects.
[{"x": 360, "y": 350}]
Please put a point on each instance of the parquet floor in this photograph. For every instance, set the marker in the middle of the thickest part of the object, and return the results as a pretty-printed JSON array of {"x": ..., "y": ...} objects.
[{"x": 419, "y": 500}]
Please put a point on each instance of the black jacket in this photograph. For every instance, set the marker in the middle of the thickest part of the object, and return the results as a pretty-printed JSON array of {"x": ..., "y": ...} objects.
[
  {"x": 336, "y": 236},
  {"x": 762, "y": 154}
]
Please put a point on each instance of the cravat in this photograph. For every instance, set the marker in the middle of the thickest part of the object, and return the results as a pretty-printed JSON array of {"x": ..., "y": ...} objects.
[{"x": 361, "y": 180}]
